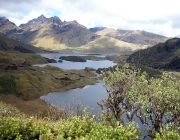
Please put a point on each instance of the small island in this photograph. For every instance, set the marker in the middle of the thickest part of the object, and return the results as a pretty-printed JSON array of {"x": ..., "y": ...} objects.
[{"x": 73, "y": 58}]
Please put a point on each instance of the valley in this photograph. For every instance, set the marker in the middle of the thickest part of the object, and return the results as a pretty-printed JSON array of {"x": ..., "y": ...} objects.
[
  {"x": 48, "y": 65},
  {"x": 18, "y": 59}
]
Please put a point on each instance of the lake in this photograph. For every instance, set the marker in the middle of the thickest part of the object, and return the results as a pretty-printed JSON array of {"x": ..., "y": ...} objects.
[
  {"x": 87, "y": 96},
  {"x": 66, "y": 65}
]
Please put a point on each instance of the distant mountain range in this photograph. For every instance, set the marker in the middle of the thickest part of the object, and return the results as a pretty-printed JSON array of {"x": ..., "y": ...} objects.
[
  {"x": 134, "y": 37},
  {"x": 54, "y": 34}
]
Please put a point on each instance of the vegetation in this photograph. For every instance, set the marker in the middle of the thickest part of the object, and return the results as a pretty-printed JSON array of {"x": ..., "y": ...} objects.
[
  {"x": 155, "y": 102},
  {"x": 161, "y": 56},
  {"x": 156, "y": 106},
  {"x": 20, "y": 126},
  {"x": 8, "y": 84},
  {"x": 17, "y": 58},
  {"x": 73, "y": 58},
  {"x": 31, "y": 83},
  {"x": 18, "y": 78},
  {"x": 9, "y": 44}
]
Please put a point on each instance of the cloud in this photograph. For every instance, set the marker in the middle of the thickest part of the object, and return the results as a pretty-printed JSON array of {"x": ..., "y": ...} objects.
[{"x": 158, "y": 16}]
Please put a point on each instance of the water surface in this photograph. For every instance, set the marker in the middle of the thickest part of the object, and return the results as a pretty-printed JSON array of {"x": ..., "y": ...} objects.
[
  {"x": 87, "y": 96},
  {"x": 67, "y": 65}
]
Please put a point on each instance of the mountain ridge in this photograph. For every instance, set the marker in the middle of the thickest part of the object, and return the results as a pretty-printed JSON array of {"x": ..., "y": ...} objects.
[
  {"x": 54, "y": 34},
  {"x": 131, "y": 36}
]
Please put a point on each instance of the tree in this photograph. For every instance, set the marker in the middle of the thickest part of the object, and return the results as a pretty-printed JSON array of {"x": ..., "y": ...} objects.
[{"x": 131, "y": 94}]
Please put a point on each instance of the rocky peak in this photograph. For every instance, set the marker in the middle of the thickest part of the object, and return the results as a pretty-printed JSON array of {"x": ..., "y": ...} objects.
[
  {"x": 41, "y": 17},
  {"x": 74, "y": 22},
  {"x": 34, "y": 23},
  {"x": 5, "y": 21},
  {"x": 3, "y": 18},
  {"x": 56, "y": 20}
]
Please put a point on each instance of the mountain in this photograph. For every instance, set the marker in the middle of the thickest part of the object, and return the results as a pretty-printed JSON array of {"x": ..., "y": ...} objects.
[
  {"x": 35, "y": 24},
  {"x": 134, "y": 36},
  {"x": 9, "y": 44},
  {"x": 54, "y": 34},
  {"x": 7, "y": 27},
  {"x": 161, "y": 56}
]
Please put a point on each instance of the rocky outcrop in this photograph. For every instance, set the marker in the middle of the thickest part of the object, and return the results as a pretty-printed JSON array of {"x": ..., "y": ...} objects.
[{"x": 11, "y": 67}]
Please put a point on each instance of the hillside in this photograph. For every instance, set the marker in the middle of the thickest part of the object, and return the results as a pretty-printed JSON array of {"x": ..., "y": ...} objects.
[
  {"x": 9, "y": 44},
  {"x": 54, "y": 34},
  {"x": 106, "y": 44},
  {"x": 134, "y": 36},
  {"x": 161, "y": 56}
]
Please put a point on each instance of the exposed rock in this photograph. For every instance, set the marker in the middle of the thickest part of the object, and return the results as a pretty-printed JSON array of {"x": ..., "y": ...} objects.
[
  {"x": 88, "y": 69},
  {"x": 11, "y": 67},
  {"x": 51, "y": 60},
  {"x": 60, "y": 61},
  {"x": 26, "y": 64}
]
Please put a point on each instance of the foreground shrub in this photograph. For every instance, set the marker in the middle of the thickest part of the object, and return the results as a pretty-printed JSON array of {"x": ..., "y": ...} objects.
[
  {"x": 76, "y": 128},
  {"x": 155, "y": 102},
  {"x": 167, "y": 135},
  {"x": 9, "y": 111}
]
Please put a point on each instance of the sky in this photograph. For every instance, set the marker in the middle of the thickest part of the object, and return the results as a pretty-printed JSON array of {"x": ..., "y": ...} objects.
[{"x": 156, "y": 16}]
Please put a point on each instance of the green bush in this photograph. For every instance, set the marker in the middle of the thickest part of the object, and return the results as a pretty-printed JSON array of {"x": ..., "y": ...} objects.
[
  {"x": 21, "y": 127},
  {"x": 8, "y": 84},
  {"x": 76, "y": 128},
  {"x": 167, "y": 135}
]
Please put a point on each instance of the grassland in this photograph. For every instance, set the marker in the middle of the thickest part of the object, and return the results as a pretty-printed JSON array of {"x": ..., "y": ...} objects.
[{"x": 26, "y": 83}]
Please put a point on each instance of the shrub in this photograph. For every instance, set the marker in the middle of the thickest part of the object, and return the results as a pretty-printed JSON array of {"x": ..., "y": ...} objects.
[
  {"x": 76, "y": 128},
  {"x": 154, "y": 101},
  {"x": 8, "y": 84}
]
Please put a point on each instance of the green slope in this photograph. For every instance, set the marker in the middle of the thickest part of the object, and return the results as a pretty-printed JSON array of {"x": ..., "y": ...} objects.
[
  {"x": 161, "y": 56},
  {"x": 9, "y": 44}
]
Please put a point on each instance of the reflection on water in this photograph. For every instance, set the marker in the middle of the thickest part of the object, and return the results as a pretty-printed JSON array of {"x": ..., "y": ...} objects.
[{"x": 87, "y": 96}]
